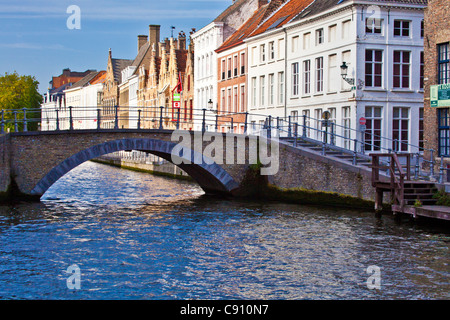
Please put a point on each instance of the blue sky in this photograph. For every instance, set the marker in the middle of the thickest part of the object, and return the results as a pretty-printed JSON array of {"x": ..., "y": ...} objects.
[{"x": 35, "y": 39}]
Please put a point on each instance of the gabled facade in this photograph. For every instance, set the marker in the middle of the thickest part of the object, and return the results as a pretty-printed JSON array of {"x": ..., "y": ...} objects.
[{"x": 111, "y": 91}]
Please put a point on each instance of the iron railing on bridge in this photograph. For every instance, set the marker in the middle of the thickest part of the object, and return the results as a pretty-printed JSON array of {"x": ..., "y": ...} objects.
[{"x": 328, "y": 133}]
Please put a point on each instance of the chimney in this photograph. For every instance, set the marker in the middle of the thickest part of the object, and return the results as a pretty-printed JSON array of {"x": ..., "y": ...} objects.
[
  {"x": 182, "y": 41},
  {"x": 154, "y": 34},
  {"x": 262, "y": 3},
  {"x": 142, "y": 39}
]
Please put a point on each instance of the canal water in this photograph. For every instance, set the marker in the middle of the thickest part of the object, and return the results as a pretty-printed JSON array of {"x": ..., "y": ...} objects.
[{"x": 105, "y": 233}]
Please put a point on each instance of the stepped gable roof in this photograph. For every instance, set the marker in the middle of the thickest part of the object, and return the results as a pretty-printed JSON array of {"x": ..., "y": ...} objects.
[
  {"x": 284, "y": 14},
  {"x": 248, "y": 27},
  {"x": 118, "y": 65}
]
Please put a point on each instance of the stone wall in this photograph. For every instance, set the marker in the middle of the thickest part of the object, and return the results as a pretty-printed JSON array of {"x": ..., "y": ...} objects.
[{"x": 5, "y": 175}]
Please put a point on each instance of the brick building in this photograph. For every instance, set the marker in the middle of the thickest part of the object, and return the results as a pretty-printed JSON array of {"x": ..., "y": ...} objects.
[
  {"x": 437, "y": 80},
  {"x": 232, "y": 90}
]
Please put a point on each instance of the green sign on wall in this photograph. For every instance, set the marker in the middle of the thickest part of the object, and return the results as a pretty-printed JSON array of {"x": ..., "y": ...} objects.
[{"x": 440, "y": 95}]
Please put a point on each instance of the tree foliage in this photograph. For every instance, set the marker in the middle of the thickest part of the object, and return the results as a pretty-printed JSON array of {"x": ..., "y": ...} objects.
[{"x": 16, "y": 93}]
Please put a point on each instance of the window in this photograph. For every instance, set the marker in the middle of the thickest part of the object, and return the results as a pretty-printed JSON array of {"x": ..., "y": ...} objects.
[
  {"x": 280, "y": 48},
  {"x": 421, "y": 142},
  {"x": 346, "y": 29},
  {"x": 294, "y": 44},
  {"x": 271, "y": 50},
  {"x": 401, "y": 28},
  {"x": 242, "y": 62},
  {"x": 271, "y": 89},
  {"x": 253, "y": 56},
  {"x": 444, "y": 131},
  {"x": 243, "y": 99},
  {"x": 254, "y": 92},
  {"x": 346, "y": 130},
  {"x": 422, "y": 68},
  {"x": 281, "y": 88},
  {"x": 373, "y": 26},
  {"x": 332, "y": 33},
  {"x": 235, "y": 100},
  {"x": 401, "y": 69},
  {"x": 262, "y": 87},
  {"x": 333, "y": 73},
  {"x": 318, "y": 124},
  {"x": 443, "y": 63},
  {"x": 294, "y": 116},
  {"x": 319, "y": 36},
  {"x": 319, "y": 74},
  {"x": 373, "y": 128},
  {"x": 229, "y": 68},
  {"x": 400, "y": 123},
  {"x": 306, "y": 114},
  {"x": 222, "y": 100},
  {"x": 295, "y": 79},
  {"x": 235, "y": 65},
  {"x": 422, "y": 29},
  {"x": 223, "y": 69},
  {"x": 307, "y": 77},
  {"x": 262, "y": 53},
  {"x": 229, "y": 106},
  {"x": 306, "y": 40},
  {"x": 374, "y": 68}
]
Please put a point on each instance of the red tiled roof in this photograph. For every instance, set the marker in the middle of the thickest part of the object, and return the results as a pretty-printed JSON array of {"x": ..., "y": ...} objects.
[
  {"x": 286, "y": 12},
  {"x": 247, "y": 27}
]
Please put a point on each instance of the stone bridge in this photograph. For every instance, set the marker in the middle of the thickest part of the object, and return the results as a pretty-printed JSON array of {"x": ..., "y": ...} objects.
[{"x": 31, "y": 162}]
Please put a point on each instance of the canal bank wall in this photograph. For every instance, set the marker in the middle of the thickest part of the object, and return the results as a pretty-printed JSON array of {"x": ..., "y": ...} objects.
[
  {"x": 138, "y": 161},
  {"x": 5, "y": 172}
]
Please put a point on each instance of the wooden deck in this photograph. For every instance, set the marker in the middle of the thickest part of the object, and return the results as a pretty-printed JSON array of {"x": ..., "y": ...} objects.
[{"x": 435, "y": 211}]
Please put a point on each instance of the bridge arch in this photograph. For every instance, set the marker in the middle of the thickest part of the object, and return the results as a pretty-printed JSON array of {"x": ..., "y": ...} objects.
[{"x": 212, "y": 178}]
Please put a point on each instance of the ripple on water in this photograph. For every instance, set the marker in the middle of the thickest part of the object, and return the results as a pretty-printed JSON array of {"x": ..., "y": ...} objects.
[{"x": 135, "y": 235}]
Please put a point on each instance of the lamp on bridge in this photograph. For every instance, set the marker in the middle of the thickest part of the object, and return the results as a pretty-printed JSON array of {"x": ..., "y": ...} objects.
[{"x": 344, "y": 70}]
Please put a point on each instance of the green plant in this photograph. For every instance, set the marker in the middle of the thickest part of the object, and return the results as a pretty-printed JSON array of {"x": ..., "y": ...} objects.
[
  {"x": 443, "y": 198},
  {"x": 417, "y": 203}
]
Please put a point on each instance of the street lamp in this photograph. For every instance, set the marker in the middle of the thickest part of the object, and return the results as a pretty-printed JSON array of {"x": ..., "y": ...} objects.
[
  {"x": 344, "y": 70},
  {"x": 210, "y": 105}
]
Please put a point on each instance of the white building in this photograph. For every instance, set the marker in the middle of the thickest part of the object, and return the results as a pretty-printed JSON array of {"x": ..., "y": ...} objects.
[
  {"x": 381, "y": 42},
  {"x": 206, "y": 41},
  {"x": 85, "y": 99}
]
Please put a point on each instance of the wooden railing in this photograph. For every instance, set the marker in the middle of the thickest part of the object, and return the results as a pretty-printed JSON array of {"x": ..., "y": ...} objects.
[{"x": 397, "y": 173}]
